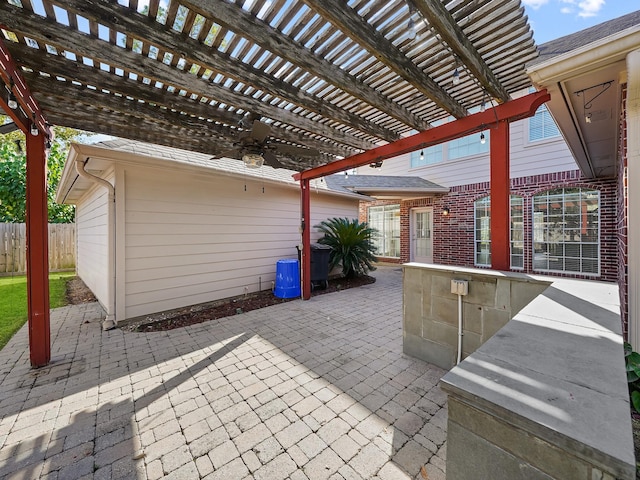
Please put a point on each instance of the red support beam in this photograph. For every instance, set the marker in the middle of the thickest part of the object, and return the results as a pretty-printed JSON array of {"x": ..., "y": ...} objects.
[
  {"x": 28, "y": 108},
  {"x": 37, "y": 252},
  {"x": 306, "y": 239},
  {"x": 27, "y": 114},
  {"x": 517, "y": 109},
  {"x": 500, "y": 194}
]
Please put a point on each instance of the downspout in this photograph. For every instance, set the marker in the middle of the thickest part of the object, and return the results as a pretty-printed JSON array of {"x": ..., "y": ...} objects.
[{"x": 109, "y": 321}]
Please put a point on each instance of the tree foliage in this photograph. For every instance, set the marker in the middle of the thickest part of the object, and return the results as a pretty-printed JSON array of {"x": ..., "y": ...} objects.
[{"x": 13, "y": 175}]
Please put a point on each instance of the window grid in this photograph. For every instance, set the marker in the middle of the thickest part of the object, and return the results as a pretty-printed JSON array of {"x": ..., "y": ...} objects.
[
  {"x": 517, "y": 232},
  {"x": 566, "y": 231},
  {"x": 482, "y": 232},
  {"x": 542, "y": 125},
  {"x": 427, "y": 156},
  {"x": 386, "y": 221},
  {"x": 469, "y": 145}
]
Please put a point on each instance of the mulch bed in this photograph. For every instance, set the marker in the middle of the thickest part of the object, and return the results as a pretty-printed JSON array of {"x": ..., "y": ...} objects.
[
  {"x": 228, "y": 307},
  {"x": 78, "y": 293}
]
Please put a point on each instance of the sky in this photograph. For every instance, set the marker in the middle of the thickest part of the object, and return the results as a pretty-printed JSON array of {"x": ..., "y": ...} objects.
[{"x": 551, "y": 19}]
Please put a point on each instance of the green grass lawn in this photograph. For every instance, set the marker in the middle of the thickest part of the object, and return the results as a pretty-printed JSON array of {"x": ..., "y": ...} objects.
[{"x": 13, "y": 301}]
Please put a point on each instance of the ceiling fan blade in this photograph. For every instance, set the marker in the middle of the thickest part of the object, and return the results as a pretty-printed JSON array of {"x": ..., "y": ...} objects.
[
  {"x": 294, "y": 150},
  {"x": 271, "y": 160},
  {"x": 260, "y": 131},
  {"x": 8, "y": 128},
  {"x": 233, "y": 153}
]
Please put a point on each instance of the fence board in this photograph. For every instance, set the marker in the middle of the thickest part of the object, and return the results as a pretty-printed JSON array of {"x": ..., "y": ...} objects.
[{"x": 13, "y": 244}]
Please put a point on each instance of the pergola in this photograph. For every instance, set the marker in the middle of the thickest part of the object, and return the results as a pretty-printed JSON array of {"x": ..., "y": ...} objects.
[{"x": 360, "y": 81}]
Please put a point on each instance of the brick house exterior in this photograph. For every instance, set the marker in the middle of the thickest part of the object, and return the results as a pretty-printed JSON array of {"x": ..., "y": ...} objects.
[{"x": 453, "y": 234}]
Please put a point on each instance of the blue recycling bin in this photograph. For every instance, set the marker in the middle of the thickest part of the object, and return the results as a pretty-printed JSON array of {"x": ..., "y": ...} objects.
[{"x": 287, "y": 279}]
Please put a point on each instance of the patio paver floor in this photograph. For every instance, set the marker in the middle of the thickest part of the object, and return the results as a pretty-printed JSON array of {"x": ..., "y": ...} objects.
[{"x": 317, "y": 389}]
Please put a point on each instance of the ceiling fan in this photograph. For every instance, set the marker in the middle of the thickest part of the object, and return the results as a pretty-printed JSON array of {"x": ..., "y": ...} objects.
[{"x": 255, "y": 149}]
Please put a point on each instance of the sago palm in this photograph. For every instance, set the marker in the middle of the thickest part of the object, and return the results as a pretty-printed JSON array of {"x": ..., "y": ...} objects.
[{"x": 351, "y": 245}]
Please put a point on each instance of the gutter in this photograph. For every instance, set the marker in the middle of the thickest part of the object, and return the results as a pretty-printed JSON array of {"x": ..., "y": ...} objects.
[{"x": 109, "y": 321}]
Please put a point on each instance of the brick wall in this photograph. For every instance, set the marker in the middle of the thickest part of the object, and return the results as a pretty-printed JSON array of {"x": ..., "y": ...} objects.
[
  {"x": 621, "y": 220},
  {"x": 453, "y": 234}
]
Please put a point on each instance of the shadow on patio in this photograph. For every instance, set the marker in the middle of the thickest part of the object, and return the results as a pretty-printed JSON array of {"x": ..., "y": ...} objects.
[{"x": 300, "y": 390}]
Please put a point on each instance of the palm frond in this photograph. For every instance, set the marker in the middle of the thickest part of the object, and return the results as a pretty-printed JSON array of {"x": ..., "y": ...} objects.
[{"x": 351, "y": 245}]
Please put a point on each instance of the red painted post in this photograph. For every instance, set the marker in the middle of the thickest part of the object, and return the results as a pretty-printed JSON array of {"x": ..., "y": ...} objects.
[
  {"x": 37, "y": 252},
  {"x": 500, "y": 192},
  {"x": 306, "y": 239}
]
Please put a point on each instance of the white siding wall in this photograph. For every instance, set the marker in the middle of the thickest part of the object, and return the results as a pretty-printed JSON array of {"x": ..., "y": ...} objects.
[
  {"x": 192, "y": 239},
  {"x": 92, "y": 217},
  {"x": 324, "y": 207},
  {"x": 527, "y": 158}
]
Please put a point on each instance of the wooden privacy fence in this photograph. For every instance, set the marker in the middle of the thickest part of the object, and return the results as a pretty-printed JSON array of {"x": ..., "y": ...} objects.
[{"x": 13, "y": 243}]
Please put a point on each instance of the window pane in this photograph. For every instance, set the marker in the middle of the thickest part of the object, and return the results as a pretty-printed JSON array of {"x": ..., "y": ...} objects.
[
  {"x": 517, "y": 231},
  {"x": 565, "y": 231},
  {"x": 386, "y": 221},
  {"x": 469, "y": 145},
  {"x": 427, "y": 156},
  {"x": 542, "y": 125}
]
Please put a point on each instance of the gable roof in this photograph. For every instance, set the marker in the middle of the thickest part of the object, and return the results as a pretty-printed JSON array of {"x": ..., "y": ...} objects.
[
  {"x": 384, "y": 186},
  {"x": 584, "y": 73},
  {"x": 584, "y": 37},
  {"x": 132, "y": 151}
]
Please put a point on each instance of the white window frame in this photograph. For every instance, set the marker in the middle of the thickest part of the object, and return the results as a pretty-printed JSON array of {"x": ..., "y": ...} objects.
[
  {"x": 542, "y": 110},
  {"x": 482, "y": 235},
  {"x": 385, "y": 240},
  {"x": 546, "y": 250},
  {"x": 482, "y": 232}
]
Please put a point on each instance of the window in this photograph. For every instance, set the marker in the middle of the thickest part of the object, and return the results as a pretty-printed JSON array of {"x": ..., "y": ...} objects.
[
  {"x": 482, "y": 211},
  {"x": 469, "y": 145},
  {"x": 428, "y": 156},
  {"x": 517, "y": 232},
  {"x": 566, "y": 231},
  {"x": 386, "y": 221},
  {"x": 542, "y": 125},
  {"x": 452, "y": 150},
  {"x": 482, "y": 231}
]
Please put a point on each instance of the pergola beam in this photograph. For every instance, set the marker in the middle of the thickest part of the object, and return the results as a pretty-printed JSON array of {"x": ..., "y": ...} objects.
[
  {"x": 445, "y": 25},
  {"x": 359, "y": 30},
  {"x": 66, "y": 39},
  {"x": 167, "y": 121},
  {"x": 234, "y": 18},
  {"x": 513, "y": 110},
  {"x": 121, "y": 18},
  {"x": 497, "y": 119}
]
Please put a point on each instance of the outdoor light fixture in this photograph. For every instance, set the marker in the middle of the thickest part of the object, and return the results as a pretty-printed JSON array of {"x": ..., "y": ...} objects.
[
  {"x": 377, "y": 164},
  {"x": 253, "y": 160},
  {"x": 412, "y": 27},
  {"x": 12, "y": 101},
  {"x": 456, "y": 76},
  {"x": 588, "y": 103},
  {"x": 483, "y": 139},
  {"x": 421, "y": 155},
  {"x": 34, "y": 127},
  {"x": 445, "y": 211},
  {"x": 47, "y": 143}
]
